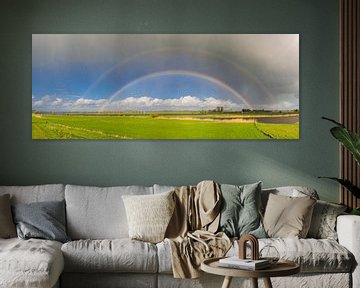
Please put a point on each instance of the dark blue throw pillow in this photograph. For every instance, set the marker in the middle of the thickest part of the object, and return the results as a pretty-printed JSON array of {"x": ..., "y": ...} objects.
[{"x": 43, "y": 220}]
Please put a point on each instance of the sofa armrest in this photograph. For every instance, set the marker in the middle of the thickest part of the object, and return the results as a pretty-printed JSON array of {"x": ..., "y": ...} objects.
[{"x": 348, "y": 230}]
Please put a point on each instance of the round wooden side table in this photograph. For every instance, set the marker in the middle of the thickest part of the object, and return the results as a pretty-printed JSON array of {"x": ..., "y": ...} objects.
[{"x": 281, "y": 268}]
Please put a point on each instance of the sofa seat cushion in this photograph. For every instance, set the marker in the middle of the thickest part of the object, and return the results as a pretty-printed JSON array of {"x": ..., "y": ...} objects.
[
  {"x": 115, "y": 255},
  {"x": 30, "y": 263},
  {"x": 313, "y": 255}
]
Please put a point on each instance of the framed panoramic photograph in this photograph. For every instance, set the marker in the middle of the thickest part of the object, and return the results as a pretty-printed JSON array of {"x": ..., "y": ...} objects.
[{"x": 165, "y": 86}]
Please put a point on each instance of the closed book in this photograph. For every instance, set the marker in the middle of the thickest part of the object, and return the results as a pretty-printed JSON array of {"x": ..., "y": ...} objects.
[{"x": 236, "y": 262}]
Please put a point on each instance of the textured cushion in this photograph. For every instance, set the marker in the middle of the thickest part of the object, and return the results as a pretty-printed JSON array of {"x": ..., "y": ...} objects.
[
  {"x": 291, "y": 191},
  {"x": 149, "y": 215},
  {"x": 164, "y": 257},
  {"x": 7, "y": 227},
  {"x": 323, "y": 222},
  {"x": 117, "y": 255},
  {"x": 287, "y": 216},
  {"x": 240, "y": 212},
  {"x": 32, "y": 263},
  {"x": 44, "y": 220},
  {"x": 313, "y": 255},
  {"x": 98, "y": 213},
  {"x": 36, "y": 193}
]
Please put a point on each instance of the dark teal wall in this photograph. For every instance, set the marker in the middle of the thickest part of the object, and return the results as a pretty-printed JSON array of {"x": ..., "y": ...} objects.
[{"x": 25, "y": 161}]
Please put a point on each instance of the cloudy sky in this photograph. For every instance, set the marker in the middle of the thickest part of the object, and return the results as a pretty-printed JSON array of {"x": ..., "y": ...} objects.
[{"x": 153, "y": 72}]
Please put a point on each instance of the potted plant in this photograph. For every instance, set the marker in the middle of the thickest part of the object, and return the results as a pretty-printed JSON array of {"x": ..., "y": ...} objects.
[{"x": 351, "y": 141}]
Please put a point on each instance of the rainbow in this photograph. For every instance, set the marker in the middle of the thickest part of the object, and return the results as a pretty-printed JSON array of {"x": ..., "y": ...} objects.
[
  {"x": 176, "y": 72},
  {"x": 207, "y": 54}
]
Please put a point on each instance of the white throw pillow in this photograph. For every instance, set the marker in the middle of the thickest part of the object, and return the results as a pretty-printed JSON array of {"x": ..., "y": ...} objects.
[{"x": 149, "y": 215}]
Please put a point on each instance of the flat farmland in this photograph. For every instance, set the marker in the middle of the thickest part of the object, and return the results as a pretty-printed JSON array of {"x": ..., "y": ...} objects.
[{"x": 164, "y": 125}]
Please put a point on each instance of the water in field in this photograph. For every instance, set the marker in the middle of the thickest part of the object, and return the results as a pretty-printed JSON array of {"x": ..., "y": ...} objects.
[{"x": 279, "y": 120}]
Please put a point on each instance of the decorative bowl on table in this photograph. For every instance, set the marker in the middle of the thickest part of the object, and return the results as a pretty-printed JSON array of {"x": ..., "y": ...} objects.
[{"x": 270, "y": 253}]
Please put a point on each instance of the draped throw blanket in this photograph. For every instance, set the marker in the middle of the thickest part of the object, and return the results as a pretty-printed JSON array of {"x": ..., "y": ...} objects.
[{"x": 191, "y": 231}]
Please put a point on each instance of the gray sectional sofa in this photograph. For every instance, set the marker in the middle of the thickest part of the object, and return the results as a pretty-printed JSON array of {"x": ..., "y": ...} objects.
[{"x": 101, "y": 254}]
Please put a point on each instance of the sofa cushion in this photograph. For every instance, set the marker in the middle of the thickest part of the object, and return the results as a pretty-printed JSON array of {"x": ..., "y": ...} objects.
[
  {"x": 287, "y": 216},
  {"x": 36, "y": 193},
  {"x": 7, "y": 226},
  {"x": 291, "y": 191},
  {"x": 164, "y": 257},
  {"x": 98, "y": 213},
  {"x": 240, "y": 210},
  {"x": 313, "y": 255},
  {"x": 43, "y": 220},
  {"x": 30, "y": 263},
  {"x": 117, "y": 255},
  {"x": 323, "y": 222},
  {"x": 149, "y": 215}
]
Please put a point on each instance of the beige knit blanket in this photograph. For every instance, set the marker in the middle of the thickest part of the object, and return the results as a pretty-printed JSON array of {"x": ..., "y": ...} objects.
[{"x": 191, "y": 231}]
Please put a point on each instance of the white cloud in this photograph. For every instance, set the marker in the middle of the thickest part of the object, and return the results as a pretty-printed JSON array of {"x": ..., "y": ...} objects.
[
  {"x": 82, "y": 102},
  {"x": 182, "y": 103},
  {"x": 57, "y": 102},
  {"x": 44, "y": 101},
  {"x": 53, "y": 103},
  {"x": 50, "y": 103}
]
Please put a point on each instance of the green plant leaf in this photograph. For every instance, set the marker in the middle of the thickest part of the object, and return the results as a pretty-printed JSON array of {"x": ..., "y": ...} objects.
[
  {"x": 347, "y": 184},
  {"x": 349, "y": 139},
  {"x": 332, "y": 120},
  {"x": 355, "y": 211}
]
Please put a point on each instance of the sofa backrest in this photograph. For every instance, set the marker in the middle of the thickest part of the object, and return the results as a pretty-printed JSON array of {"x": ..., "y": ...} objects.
[
  {"x": 36, "y": 193},
  {"x": 163, "y": 188},
  {"x": 98, "y": 212},
  {"x": 293, "y": 191}
]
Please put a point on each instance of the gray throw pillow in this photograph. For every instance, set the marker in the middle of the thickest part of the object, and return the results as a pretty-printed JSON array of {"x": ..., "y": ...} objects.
[
  {"x": 7, "y": 227},
  {"x": 323, "y": 222},
  {"x": 240, "y": 213},
  {"x": 44, "y": 220}
]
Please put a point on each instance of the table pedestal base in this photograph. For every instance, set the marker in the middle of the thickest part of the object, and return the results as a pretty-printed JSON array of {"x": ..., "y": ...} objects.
[{"x": 227, "y": 282}]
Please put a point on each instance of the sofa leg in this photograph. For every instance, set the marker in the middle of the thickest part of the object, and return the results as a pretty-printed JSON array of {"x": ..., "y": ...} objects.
[
  {"x": 254, "y": 282},
  {"x": 267, "y": 283}
]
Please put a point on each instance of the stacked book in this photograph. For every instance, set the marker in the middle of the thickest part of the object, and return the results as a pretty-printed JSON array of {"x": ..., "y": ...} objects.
[{"x": 248, "y": 264}]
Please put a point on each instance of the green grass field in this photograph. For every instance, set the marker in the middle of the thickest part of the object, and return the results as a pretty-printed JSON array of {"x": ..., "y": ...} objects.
[{"x": 58, "y": 126}]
